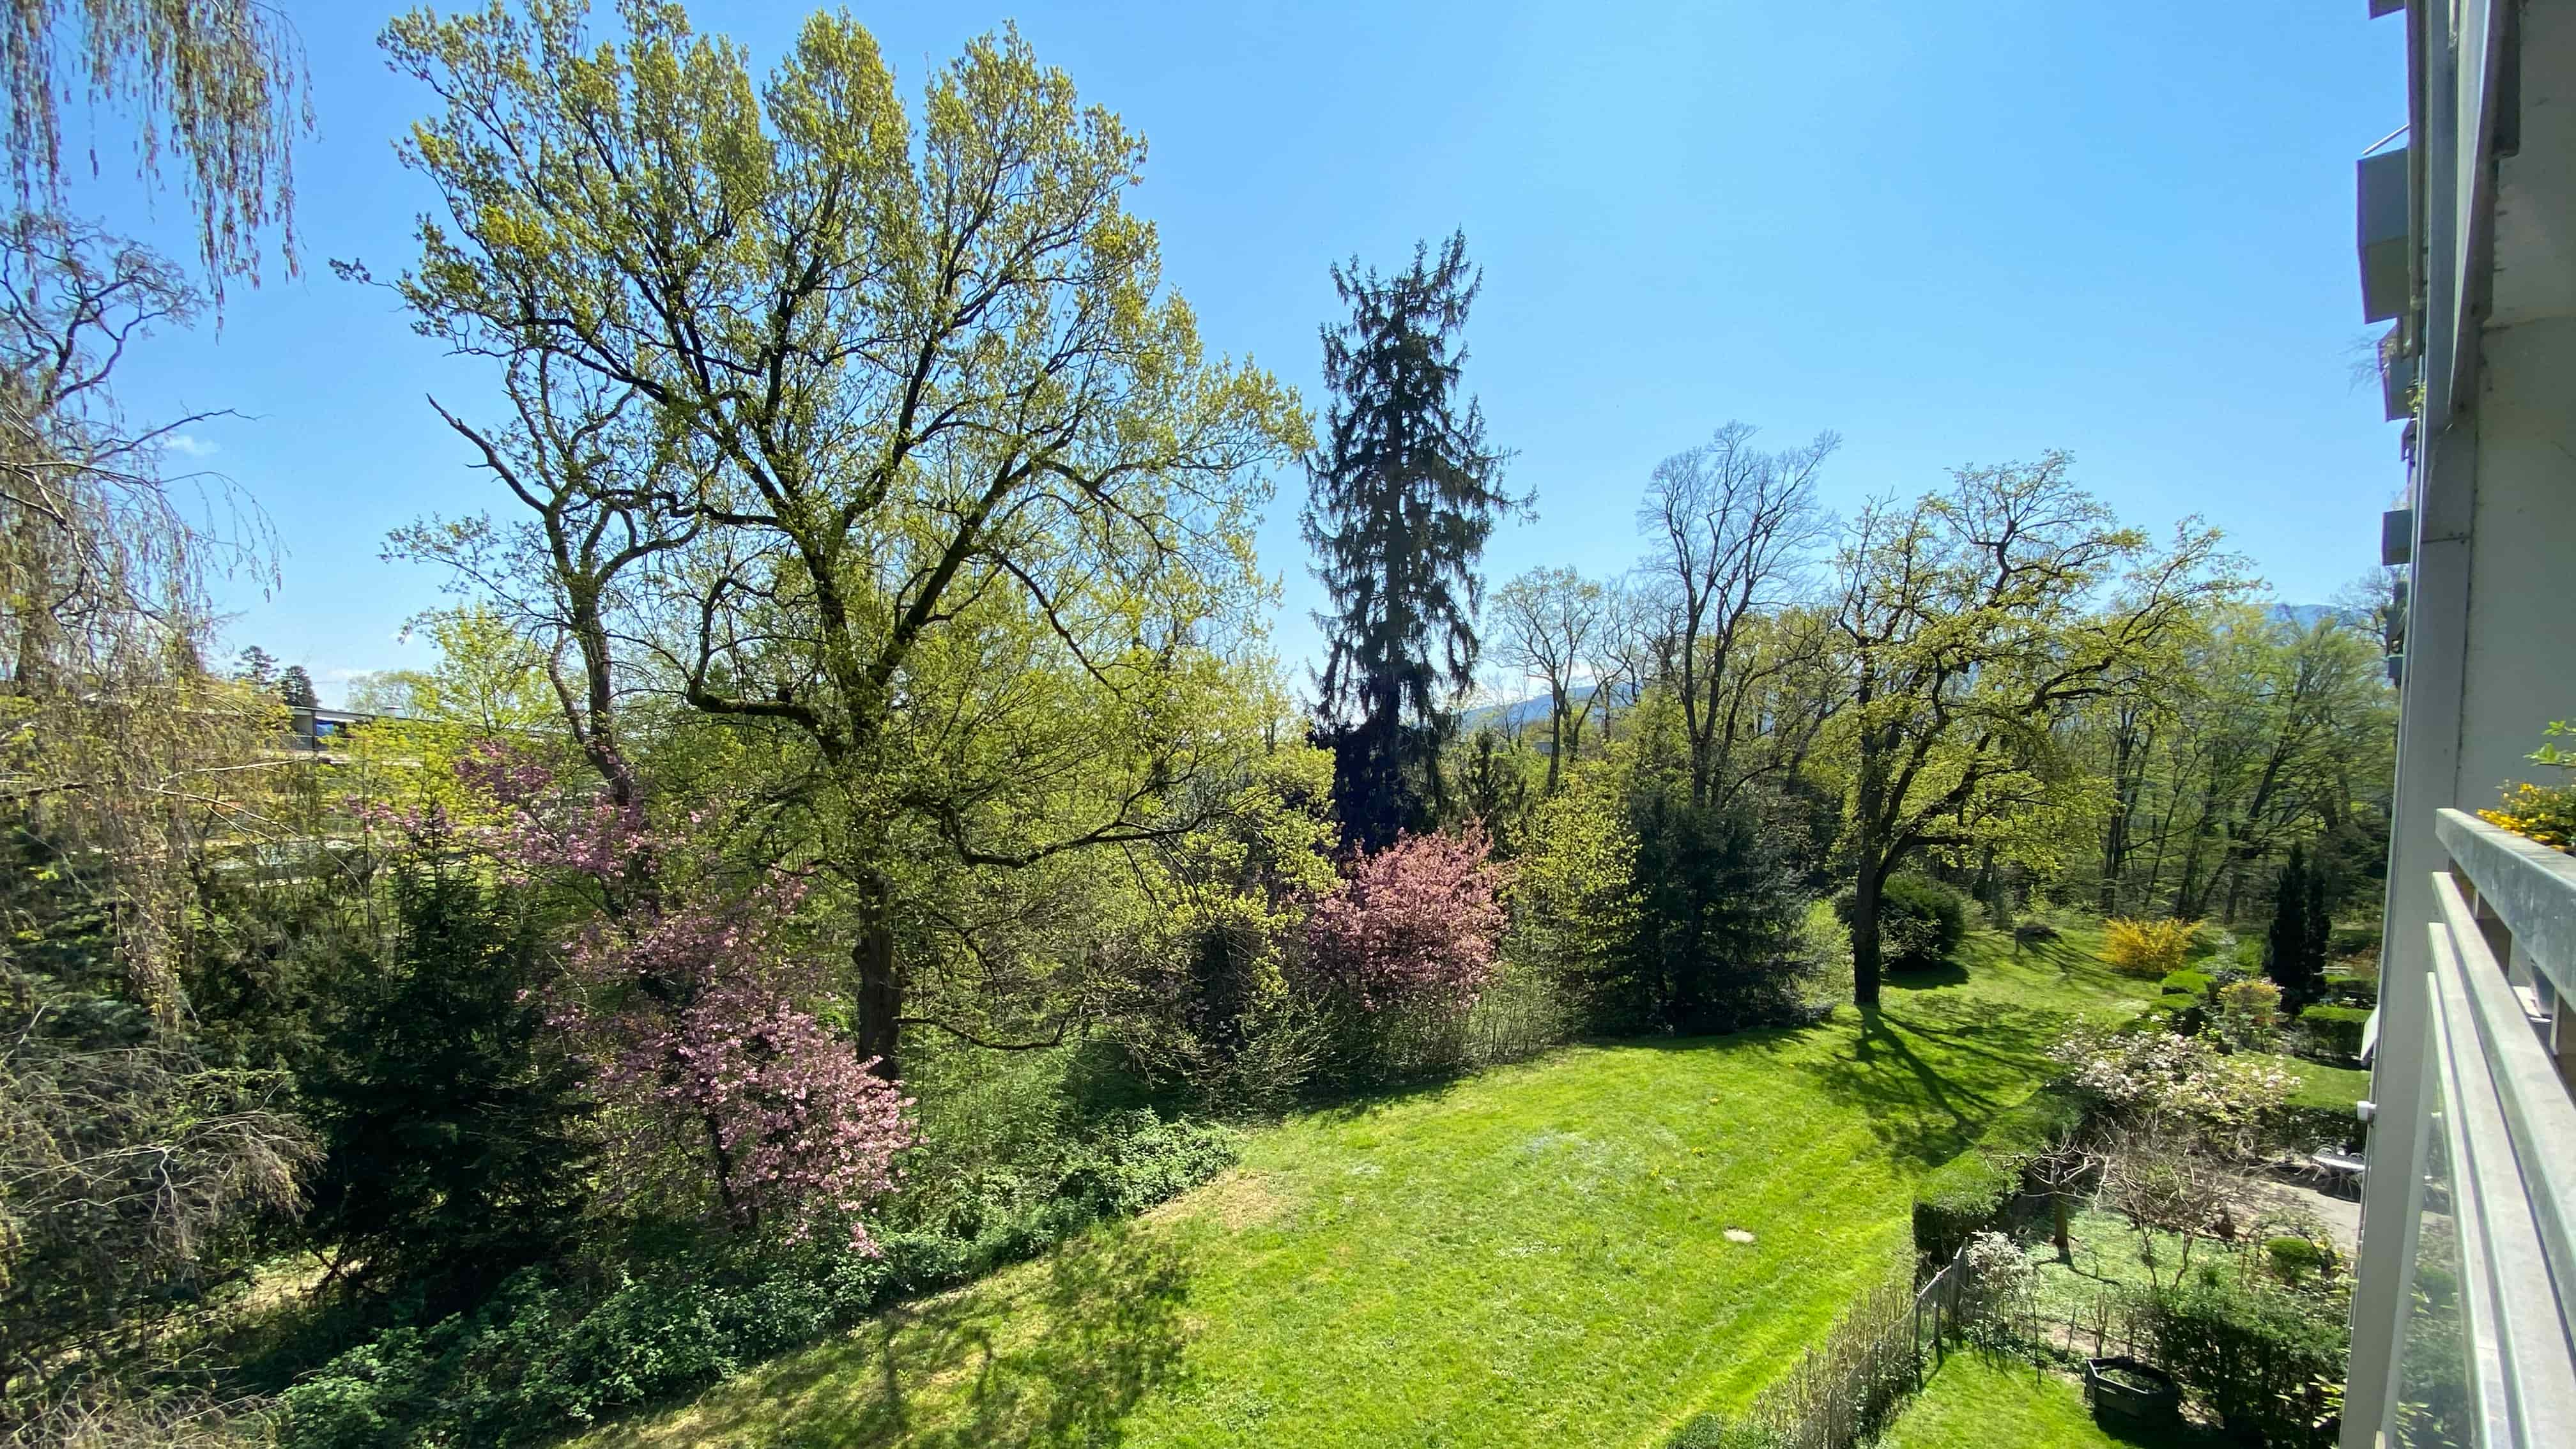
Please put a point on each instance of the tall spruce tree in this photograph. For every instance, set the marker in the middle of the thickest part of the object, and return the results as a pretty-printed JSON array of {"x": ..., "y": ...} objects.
[
  {"x": 1403, "y": 494},
  {"x": 2294, "y": 954}
]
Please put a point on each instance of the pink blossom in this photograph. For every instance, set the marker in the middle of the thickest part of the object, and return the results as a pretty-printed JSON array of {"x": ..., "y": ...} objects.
[
  {"x": 1418, "y": 923},
  {"x": 688, "y": 1001}
]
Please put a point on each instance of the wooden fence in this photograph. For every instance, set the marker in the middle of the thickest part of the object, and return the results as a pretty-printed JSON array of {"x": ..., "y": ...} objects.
[{"x": 1879, "y": 1351}]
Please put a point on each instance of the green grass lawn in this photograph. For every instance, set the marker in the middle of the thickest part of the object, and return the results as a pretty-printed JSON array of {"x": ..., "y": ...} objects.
[
  {"x": 1979, "y": 1403},
  {"x": 1537, "y": 1255},
  {"x": 2331, "y": 1089}
]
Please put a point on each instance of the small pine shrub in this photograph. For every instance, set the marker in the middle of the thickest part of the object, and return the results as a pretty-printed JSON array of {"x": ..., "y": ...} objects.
[{"x": 2151, "y": 949}]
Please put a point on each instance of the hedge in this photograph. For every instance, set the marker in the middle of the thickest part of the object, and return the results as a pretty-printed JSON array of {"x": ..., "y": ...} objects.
[
  {"x": 2190, "y": 980},
  {"x": 1971, "y": 1190},
  {"x": 2352, "y": 990},
  {"x": 2338, "y": 1027},
  {"x": 2320, "y": 1112}
]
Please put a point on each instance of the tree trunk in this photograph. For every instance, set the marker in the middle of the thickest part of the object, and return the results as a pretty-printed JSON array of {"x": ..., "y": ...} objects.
[
  {"x": 1864, "y": 932},
  {"x": 2115, "y": 831},
  {"x": 1555, "y": 734},
  {"x": 880, "y": 987},
  {"x": 1869, "y": 802},
  {"x": 2057, "y": 1229}
]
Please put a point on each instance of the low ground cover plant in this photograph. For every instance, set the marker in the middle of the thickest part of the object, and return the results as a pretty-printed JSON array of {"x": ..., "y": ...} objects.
[{"x": 553, "y": 1351}]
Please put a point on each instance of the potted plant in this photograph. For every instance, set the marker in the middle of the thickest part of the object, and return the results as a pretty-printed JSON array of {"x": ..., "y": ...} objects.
[{"x": 2125, "y": 1391}]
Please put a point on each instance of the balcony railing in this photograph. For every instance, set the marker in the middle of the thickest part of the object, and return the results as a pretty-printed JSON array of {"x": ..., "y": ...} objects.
[{"x": 2488, "y": 1354}]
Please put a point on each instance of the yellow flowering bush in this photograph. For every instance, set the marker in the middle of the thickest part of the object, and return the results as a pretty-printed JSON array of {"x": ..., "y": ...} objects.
[
  {"x": 2546, "y": 813},
  {"x": 2145, "y": 948}
]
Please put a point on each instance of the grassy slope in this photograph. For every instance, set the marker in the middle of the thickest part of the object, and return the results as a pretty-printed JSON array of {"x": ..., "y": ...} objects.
[
  {"x": 1976, "y": 1404},
  {"x": 1533, "y": 1256}
]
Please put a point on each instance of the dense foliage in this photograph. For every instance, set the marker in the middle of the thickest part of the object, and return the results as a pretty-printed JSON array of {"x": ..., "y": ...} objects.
[
  {"x": 2302, "y": 931},
  {"x": 1413, "y": 926},
  {"x": 1404, "y": 492},
  {"x": 2261, "y": 1355},
  {"x": 457, "y": 1146},
  {"x": 1920, "y": 921},
  {"x": 2146, "y": 948},
  {"x": 854, "y": 834}
]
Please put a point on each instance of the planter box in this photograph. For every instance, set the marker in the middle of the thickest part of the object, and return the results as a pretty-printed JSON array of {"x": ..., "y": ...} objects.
[{"x": 2125, "y": 1392}]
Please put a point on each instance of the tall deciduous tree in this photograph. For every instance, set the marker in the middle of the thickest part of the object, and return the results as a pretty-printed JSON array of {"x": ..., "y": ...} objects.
[
  {"x": 1974, "y": 622},
  {"x": 1552, "y": 621},
  {"x": 1733, "y": 526},
  {"x": 968, "y": 509},
  {"x": 2258, "y": 732},
  {"x": 602, "y": 497},
  {"x": 1404, "y": 491}
]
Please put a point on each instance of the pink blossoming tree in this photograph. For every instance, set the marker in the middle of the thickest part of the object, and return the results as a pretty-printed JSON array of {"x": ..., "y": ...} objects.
[
  {"x": 689, "y": 1001},
  {"x": 1416, "y": 925}
]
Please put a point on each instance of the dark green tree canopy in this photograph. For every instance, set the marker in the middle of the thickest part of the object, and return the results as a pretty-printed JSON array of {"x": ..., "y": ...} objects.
[{"x": 1404, "y": 492}]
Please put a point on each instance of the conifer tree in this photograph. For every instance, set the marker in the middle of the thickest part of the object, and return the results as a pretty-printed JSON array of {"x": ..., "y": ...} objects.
[
  {"x": 2293, "y": 955},
  {"x": 295, "y": 686},
  {"x": 1403, "y": 494}
]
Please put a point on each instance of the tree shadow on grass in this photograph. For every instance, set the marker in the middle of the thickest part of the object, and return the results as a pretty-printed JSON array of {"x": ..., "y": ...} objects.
[
  {"x": 1931, "y": 1074},
  {"x": 1948, "y": 973},
  {"x": 1058, "y": 1355}
]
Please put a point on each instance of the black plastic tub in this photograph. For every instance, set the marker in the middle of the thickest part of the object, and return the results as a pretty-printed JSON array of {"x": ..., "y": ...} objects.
[{"x": 2124, "y": 1391}]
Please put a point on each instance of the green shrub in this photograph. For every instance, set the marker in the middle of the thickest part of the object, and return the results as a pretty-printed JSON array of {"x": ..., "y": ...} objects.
[
  {"x": 2295, "y": 1259},
  {"x": 547, "y": 1353},
  {"x": 2251, "y": 1351},
  {"x": 2352, "y": 990},
  {"x": 2178, "y": 1012},
  {"x": 2306, "y": 1127},
  {"x": 2320, "y": 1113},
  {"x": 2337, "y": 1027},
  {"x": 2246, "y": 1015},
  {"x": 2189, "y": 980},
  {"x": 1971, "y": 1190},
  {"x": 1920, "y": 921},
  {"x": 2151, "y": 949},
  {"x": 1716, "y": 937},
  {"x": 1700, "y": 1431}
]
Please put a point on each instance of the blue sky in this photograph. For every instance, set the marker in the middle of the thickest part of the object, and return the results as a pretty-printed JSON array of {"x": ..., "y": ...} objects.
[{"x": 1955, "y": 234}]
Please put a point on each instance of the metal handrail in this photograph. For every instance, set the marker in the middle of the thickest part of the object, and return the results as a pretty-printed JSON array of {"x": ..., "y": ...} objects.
[
  {"x": 2529, "y": 887},
  {"x": 2511, "y": 1197}
]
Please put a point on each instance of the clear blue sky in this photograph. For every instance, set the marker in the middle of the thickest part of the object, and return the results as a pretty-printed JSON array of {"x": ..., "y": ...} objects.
[{"x": 1954, "y": 234}]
